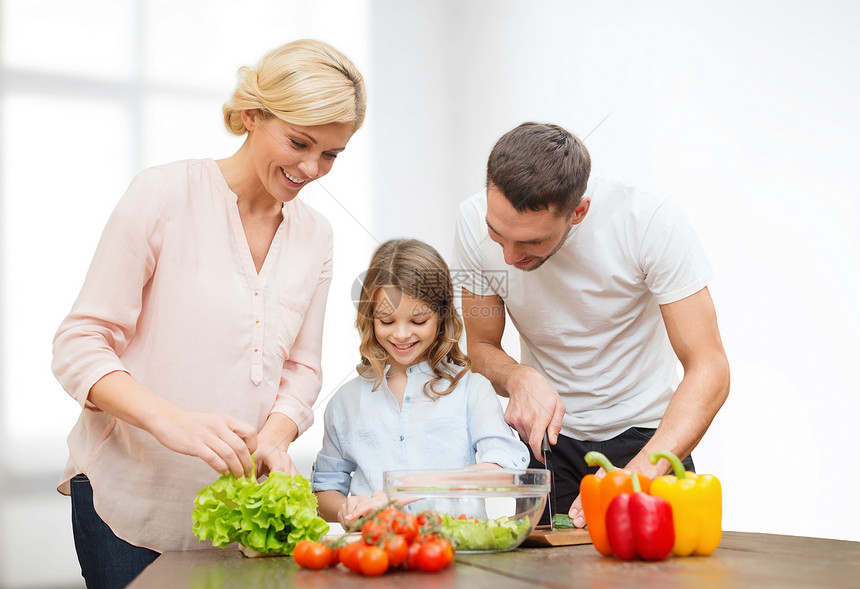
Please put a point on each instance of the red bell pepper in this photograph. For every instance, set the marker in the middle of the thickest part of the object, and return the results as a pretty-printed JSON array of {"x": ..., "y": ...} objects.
[{"x": 640, "y": 525}]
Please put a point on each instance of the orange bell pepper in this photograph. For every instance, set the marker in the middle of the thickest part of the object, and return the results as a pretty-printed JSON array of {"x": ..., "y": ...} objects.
[{"x": 598, "y": 493}]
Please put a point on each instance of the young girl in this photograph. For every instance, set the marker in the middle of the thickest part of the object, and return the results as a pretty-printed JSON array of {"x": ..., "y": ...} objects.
[{"x": 415, "y": 404}]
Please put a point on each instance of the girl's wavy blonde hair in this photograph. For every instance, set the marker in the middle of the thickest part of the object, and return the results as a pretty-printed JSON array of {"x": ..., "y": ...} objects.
[
  {"x": 417, "y": 270},
  {"x": 305, "y": 83}
]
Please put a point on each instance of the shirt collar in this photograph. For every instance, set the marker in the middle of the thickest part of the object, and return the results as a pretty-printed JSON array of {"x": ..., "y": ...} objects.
[{"x": 421, "y": 367}]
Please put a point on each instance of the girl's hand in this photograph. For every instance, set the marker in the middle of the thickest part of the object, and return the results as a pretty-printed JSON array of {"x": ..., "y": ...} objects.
[
  {"x": 358, "y": 505},
  {"x": 221, "y": 441},
  {"x": 271, "y": 459}
]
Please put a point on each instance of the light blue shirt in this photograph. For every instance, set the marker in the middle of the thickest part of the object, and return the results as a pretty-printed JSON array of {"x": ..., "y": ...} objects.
[{"x": 366, "y": 433}]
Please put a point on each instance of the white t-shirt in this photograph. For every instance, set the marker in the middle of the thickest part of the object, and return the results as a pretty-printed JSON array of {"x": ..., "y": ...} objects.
[{"x": 589, "y": 317}]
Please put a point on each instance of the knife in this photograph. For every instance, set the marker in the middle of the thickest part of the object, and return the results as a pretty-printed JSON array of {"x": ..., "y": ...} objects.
[{"x": 546, "y": 450}]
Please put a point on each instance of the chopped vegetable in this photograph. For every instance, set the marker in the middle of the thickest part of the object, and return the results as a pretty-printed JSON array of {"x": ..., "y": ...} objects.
[
  {"x": 493, "y": 534},
  {"x": 269, "y": 517},
  {"x": 562, "y": 521}
]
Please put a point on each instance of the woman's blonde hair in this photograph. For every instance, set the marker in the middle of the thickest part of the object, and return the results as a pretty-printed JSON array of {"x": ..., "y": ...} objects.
[
  {"x": 305, "y": 83},
  {"x": 417, "y": 270}
]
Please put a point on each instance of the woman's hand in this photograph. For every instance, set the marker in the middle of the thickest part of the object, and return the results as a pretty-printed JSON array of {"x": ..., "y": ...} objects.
[
  {"x": 221, "y": 441},
  {"x": 358, "y": 505},
  {"x": 274, "y": 440},
  {"x": 270, "y": 458}
]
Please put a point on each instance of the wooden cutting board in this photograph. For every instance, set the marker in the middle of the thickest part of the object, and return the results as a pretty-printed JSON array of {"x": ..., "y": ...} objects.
[{"x": 544, "y": 536}]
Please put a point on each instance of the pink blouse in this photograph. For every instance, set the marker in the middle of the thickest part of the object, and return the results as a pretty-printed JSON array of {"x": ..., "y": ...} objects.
[{"x": 173, "y": 298}]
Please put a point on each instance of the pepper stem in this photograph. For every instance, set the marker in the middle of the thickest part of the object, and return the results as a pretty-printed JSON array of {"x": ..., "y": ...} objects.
[
  {"x": 680, "y": 471},
  {"x": 636, "y": 486},
  {"x": 598, "y": 459}
]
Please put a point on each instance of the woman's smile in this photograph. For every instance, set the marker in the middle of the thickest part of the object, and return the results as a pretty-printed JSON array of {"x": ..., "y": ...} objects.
[{"x": 292, "y": 180}]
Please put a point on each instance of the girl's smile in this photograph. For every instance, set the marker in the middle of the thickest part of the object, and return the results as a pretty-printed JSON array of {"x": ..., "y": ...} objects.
[{"x": 405, "y": 327}]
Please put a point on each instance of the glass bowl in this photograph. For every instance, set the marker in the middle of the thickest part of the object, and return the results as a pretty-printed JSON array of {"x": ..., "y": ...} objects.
[{"x": 482, "y": 510}]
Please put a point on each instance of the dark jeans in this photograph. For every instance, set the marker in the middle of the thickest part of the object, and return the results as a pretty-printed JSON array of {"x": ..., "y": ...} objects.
[
  {"x": 569, "y": 467},
  {"x": 107, "y": 562}
]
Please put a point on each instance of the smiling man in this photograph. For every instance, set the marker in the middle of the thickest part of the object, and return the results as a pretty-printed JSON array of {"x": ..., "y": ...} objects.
[{"x": 606, "y": 284}]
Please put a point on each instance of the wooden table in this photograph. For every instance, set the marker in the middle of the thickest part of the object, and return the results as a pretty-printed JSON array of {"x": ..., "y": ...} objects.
[{"x": 742, "y": 560}]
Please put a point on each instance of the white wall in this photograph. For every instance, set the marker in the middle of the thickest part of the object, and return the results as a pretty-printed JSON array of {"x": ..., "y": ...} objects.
[{"x": 745, "y": 112}]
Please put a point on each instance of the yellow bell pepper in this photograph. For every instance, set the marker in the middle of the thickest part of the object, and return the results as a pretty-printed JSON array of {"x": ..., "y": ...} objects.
[{"x": 697, "y": 507}]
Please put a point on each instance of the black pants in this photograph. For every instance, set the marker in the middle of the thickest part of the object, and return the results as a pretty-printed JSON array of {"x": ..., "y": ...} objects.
[
  {"x": 568, "y": 462},
  {"x": 107, "y": 562}
]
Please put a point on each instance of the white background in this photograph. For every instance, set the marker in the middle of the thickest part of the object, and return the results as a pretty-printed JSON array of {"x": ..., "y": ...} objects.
[{"x": 744, "y": 111}]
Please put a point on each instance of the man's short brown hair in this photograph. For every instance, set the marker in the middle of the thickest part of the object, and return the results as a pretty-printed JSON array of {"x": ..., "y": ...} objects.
[{"x": 540, "y": 167}]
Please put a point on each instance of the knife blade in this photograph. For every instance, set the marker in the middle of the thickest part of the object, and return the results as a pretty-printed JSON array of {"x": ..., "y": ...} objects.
[{"x": 546, "y": 450}]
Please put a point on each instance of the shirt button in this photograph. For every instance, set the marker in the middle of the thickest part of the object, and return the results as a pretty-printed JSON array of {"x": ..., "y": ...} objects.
[
  {"x": 401, "y": 438},
  {"x": 256, "y": 349}
]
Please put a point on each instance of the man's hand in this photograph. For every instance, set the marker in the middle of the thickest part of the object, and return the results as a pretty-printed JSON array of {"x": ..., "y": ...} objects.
[
  {"x": 534, "y": 407},
  {"x": 640, "y": 464},
  {"x": 575, "y": 512}
]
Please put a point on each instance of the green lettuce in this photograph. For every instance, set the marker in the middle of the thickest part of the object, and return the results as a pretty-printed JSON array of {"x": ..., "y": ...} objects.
[
  {"x": 269, "y": 517},
  {"x": 501, "y": 533}
]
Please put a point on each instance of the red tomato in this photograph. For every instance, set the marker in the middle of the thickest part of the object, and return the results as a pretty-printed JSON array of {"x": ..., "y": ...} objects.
[
  {"x": 351, "y": 554},
  {"x": 396, "y": 547},
  {"x": 335, "y": 557},
  {"x": 312, "y": 555},
  {"x": 435, "y": 555},
  {"x": 373, "y": 561},
  {"x": 300, "y": 552},
  {"x": 374, "y": 530},
  {"x": 412, "y": 554},
  {"x": 318, "y": 556},
  {"x": 388, "y": 514},
  {"x": 405, "y": 525},
  {"x": 429, "y": 518}
]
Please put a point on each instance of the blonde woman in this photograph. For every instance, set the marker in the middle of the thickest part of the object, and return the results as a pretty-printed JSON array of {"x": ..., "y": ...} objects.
[
  {"x": 415, "y": 404},
  {"x": 196, "y": 337}
]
